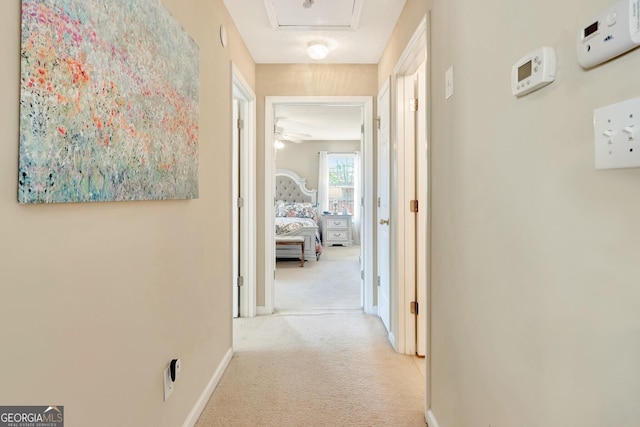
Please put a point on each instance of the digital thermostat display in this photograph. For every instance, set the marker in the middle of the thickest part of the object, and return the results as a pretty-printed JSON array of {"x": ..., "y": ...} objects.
[
  {"x": 524, "y": 71},
  {"x": 590, "y": 30},
  {"x": 533, "y": 71},
  {"x": 611, "y": 33}
]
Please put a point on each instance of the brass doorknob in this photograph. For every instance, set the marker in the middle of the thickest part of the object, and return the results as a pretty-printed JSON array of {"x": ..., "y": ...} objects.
[{"x": 384, "y": 221}]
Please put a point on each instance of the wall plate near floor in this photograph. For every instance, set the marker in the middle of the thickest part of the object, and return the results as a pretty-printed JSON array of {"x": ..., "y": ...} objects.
[
  {"x": 617, "y": 135},
  {"x": 171, "y": 373}
]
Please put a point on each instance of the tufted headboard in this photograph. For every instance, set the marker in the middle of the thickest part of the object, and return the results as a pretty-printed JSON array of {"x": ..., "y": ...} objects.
[{"x": 291, "y": 188}]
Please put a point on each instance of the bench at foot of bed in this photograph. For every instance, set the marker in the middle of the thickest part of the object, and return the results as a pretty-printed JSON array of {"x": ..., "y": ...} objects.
[{"x": 292, "y": 240}]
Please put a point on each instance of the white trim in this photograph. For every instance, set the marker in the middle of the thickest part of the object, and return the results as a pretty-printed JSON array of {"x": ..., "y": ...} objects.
[
  {"x": 431, "y": 419},
  {"x": 403, "y": 267},
  {"x": 248, "y": 256},
  {"x": 413, "y": 56},
  {"x": 393, "y": 341},
  {"x": 269, "y": 214},
  {"x": 366, "y": 102},
  {"x": 261, "y": 310},
  {"x": 197, "y": 409}
]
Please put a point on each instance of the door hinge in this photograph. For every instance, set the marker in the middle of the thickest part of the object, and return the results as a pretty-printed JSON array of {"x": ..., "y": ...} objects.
[
  {"x": 240, "y": 124},
  {"x": 378, "y": 280},
  {"x": 413, "y": 206},
  {"x": 413, "y": 104},
  {"x": 240, "y": 281},
  {"x": 240, "y": 202},
  {"x": 362, "y": 129},
  {"x": 414, "y": 307},
  {"x": 362, "y": 274},
  {"x": 378, "y": 121},
  {"x": 378, "y": 201}
]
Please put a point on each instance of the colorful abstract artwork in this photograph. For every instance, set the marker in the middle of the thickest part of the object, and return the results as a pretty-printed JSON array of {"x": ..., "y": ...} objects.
[{"x": 109, "y": 103}]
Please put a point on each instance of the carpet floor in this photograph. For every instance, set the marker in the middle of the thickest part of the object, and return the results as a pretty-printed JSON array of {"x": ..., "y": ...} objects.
[{"x": 319, "y": 361}]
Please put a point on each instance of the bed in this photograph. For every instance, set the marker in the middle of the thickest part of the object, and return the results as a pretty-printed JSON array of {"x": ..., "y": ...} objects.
[{"x": 296, "y": 216}]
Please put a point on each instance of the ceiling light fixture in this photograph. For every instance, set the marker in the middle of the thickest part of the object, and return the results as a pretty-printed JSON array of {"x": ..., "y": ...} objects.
[
  {"x": 307, "y": 3},
  {"x": 317, "y": 49}
]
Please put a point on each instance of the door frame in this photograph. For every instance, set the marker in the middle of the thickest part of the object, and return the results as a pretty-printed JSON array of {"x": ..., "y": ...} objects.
[
  {"x": 247, "y": 220},
  {"x": 384, "y": 95},
  {"x": 366, "y": 102},
  {"x": 403, "y": 183},
  {"x": 415, "y": 54}
]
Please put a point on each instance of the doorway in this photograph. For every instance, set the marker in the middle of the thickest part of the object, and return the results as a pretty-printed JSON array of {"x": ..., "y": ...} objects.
[
  {"x": 243, "y": 196},
  {"x": 412, "y": 244},
  {"x": 366, "y": 256}
]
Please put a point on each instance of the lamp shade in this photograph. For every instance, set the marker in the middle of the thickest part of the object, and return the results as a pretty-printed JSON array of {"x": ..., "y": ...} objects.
[{"x": 317, "y": 50}]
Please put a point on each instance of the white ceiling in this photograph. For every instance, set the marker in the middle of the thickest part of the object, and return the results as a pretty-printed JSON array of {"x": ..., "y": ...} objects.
[
  {"x": 319, "y": 122},
  {"x": 278, "y": 31}
]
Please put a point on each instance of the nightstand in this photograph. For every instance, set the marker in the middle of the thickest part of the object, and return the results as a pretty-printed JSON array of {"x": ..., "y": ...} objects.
[{"x": 336, "y": 230}]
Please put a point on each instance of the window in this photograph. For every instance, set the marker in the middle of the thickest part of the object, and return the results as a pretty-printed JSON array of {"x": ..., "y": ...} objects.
[{"x": 342, "y": 173}]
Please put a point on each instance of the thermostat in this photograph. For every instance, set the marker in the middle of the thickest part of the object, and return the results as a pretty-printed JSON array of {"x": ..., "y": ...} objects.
[
  {"x": 533, "y": 71},
  {"x": 611, "y": 33}
]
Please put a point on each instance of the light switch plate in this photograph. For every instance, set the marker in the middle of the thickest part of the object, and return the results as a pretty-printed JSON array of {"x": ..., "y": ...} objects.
[
  {"x": 449, "y": 83},
  {"x": 617, "y": 135}
]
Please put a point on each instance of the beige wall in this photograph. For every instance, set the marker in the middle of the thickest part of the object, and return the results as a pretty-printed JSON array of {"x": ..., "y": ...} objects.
[
  {"x": 303, "y": 158},
  {"x": 98, "y": 297},
  {"x": 535, "y": 255},
  {"x": 300, "y": 80}
]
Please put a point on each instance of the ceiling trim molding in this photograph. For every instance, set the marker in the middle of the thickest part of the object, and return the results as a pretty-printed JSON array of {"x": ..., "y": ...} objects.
[{"x": 355, "y": 20}]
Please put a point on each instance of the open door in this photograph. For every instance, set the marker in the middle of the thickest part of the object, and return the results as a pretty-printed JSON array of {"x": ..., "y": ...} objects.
[{"x": 383, "y": 122}]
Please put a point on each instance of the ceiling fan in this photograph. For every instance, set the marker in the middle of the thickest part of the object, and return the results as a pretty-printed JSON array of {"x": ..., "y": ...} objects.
[{"x": 298, "y": 138}]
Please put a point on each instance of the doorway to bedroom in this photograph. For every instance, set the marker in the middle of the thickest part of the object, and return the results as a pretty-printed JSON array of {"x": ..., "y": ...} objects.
[
  {"x": 321, "y": 142},
  {"x": 318, "y": 189}
]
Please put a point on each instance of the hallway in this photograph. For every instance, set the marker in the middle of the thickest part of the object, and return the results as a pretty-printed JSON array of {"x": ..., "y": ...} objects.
[{"x": 318, "y": 361}]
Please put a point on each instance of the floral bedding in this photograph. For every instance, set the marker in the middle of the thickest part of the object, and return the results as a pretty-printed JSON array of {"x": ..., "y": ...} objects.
[
  {"x": 296, "y": 210},
  {"x": 289, "y": 225},
  {"x": 291, "y": 217}
]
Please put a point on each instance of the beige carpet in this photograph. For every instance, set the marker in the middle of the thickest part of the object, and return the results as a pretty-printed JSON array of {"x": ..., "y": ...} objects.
[
  {"x": 316, "y": 364},
  {"x": 333, "y": 282}
]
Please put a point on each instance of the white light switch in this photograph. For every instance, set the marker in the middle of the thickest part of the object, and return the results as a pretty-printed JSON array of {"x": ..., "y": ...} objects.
[
  {"x": 449, "y": 83},
  {"x": 617, "y": 136}
]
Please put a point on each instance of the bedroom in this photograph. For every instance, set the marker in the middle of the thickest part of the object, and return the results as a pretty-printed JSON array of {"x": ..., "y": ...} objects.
[{"x": 317, "y": 149}]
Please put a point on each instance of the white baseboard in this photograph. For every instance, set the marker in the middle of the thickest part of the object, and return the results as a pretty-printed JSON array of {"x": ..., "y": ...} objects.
[
  {"x": 394, "y": 344},
  {"x": 193, "y": 416},
  {"x": 262, "y": 311},
  {"x": 431, "y": 419}
]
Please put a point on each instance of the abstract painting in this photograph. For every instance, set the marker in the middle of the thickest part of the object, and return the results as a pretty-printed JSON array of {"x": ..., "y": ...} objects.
[{"x": 108, "y": 104}]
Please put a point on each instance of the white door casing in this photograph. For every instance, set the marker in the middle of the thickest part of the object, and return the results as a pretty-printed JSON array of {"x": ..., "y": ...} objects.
[
  {"x": 422, "y": 219},
  {"x": 413, "y": 58},
  {"x": 403, "y": 245},
  {"x": 366, "y": 103},
  {"x": 235, "y": 195},
  {"x": 244, "y": 166},
  {"x": 383, "y": 227}
]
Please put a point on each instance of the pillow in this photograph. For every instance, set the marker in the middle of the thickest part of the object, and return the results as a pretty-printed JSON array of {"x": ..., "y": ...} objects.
[
  {"x": 280, "y": 209},
  {"x": 300, "y": 210}
]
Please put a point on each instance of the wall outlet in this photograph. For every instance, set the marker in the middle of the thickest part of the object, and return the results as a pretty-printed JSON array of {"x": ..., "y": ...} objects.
[
  {"x": 169, "y": 382},
  {"x": 617, "y": 135}
]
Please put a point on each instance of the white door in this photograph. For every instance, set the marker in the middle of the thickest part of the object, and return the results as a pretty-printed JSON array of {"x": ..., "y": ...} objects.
[{"x": 384, "y": 299}]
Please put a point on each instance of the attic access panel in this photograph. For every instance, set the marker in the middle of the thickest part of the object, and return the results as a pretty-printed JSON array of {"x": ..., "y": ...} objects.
[{"x": 322, "y": 15}]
